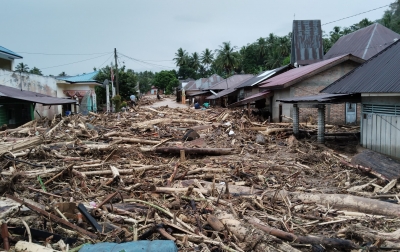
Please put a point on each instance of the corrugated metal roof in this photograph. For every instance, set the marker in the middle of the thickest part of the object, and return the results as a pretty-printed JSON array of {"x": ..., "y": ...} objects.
[
  {"x": 231, "y": 82},
  {"x": 380, "y": 74},
  {"x": 16, "y": 93},
  {"x": 263, "y": 76},
  {"x": 197, "y": 93},
  {"x": 319, "y": 98},
  {"x": 89, "y": 77},
  {"x": 203, "y": 83},
  {"x": 363, "y": 43},
  {"x": 252, "y": 98},
  {"x": 306, "y": 42},
  {"x": 296, "y": 75},
  {"x": 11, "y": 53}
]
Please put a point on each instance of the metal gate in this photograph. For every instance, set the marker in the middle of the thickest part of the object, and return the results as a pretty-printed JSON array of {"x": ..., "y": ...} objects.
[{"x": 380, "y": 129}]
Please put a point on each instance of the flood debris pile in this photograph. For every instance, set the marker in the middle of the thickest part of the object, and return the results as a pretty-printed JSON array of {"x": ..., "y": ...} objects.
[{"x": 208, "y": 180}]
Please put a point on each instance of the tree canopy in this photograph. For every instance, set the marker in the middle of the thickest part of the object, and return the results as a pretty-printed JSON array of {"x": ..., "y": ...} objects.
[{"x": 166, "y": 80}]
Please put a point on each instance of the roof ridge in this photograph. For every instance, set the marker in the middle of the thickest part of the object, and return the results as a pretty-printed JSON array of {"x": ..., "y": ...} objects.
[{"x": 359, "y": 67}]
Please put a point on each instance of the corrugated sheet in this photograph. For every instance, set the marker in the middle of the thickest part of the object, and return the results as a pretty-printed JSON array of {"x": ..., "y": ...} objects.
[
  {"x": 89, "y": 77},
  {"x": 203, "y": 83},
  {"x": 380, "y": 74},
  {"x": 32, "y": 96},
  {"x": 231, "y": 82},
  {"x": 251, "y": 99},
  {"x": 263, "y": 76},
  {"x": 301, "y": 73},
  {"x": 319, "y": 98},
  {"x": 7, "y": 51},
  {"x": 306, "y": 42},
  {"x": 363, "y": 43}
]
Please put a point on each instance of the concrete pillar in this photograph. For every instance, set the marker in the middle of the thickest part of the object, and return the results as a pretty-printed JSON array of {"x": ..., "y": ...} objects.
[
  {"x": 296, "y": 119},
  {"x": 321, "y": 124}
]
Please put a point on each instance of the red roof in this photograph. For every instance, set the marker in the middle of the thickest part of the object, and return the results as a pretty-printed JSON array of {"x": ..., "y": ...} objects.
[{"x": 296, "y": 75}]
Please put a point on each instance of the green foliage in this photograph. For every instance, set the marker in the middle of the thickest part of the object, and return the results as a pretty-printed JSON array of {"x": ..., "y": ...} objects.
[
  {"x": 117, "y": 102},
  {"x": 166, "y": 80},
  {"x": 62, "y": 74},
  {"x": 127, "y": 80},
  {"x": 22, "y": 68},
  {"x": 35, "y": 70},
  {"x": 391, "y": 17},
  {"x": 124, "y": 104},
  {"x": 145, "y": 81}
]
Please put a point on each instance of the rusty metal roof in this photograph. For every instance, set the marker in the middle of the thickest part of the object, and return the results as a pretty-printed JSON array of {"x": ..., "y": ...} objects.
[
  {"x": 231, "y": 82},
  {"x": 306, "y": 42},
  {"x": 296, "y": 75},
  {"x": 16, "y": 93},
  {"x": 251, "y": 99},
  {"x": 380, "y": 74},
  {"x": 363, "y": 43}
]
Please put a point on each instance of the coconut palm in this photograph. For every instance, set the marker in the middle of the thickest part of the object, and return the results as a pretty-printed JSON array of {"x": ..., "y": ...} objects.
[
  {"x": 181, "y": 57},
  {"x": 207, "y": 57},
  {"x": 262, "y": 47},
  {"x": 227, "y": 58},
  {"x": 195, "y": 61},
  {"x": 22, "y": 68},
  {"x": 35, "y": 70}
]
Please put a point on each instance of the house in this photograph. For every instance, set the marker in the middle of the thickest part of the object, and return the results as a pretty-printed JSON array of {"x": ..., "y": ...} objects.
[
  {"x": 153, "y": 91},
  {"x": 18, "y": 106},
  {"x": 7, "y": 58},
  {"x": 81, "y": 88},
  {"x": 377, "y": 81},
  {"x": 363, "y": 43},
  {"x": 182, "y": 85},
  {"x": 199, "y": 89},
  {"x": 27, "y": 82},
  {"x": 305, "y": 81},
  {"x": 224, "y": 92}
]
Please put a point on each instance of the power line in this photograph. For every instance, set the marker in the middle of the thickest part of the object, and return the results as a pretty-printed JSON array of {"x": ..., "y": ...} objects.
[
  {"x": 62, "y": 54},
  {"x": 105, "y": 61},
  {"x": 75, "y": 62},
  {"x": 357, "y": 14},
  {"x": 148, "y": 63}
]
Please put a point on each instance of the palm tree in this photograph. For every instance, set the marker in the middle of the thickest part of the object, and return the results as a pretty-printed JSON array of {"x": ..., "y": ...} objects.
[
  {"x": 195, "y": 61},
  {"x": 207, "y": 57},
  {"x": 181, "y": 57},
  {"x": 262, "y": 47},
  {"x": 227, "y": 58},
  {"x": 35, "y": 70},
  {"x": 22, "y": 68}
]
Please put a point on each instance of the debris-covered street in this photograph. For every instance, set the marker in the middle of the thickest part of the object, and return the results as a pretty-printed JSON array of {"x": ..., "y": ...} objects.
[{"x": 203, "y": 180}]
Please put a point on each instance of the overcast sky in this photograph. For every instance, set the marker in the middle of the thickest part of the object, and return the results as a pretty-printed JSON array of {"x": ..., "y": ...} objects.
[{"x": 152, "y": 30}]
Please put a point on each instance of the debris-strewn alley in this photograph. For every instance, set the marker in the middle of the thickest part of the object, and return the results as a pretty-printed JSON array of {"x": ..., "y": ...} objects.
[{"x": 200, "y": 180}]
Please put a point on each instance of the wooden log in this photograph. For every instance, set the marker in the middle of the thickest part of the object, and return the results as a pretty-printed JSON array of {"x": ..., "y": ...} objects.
[
  {"x": 23, "y": 246},
  {"x": 379, "y": 163},
  {"x": 135, "y": 140},
  {"x": 324, "y": 241},
  {"x": 198, "y": 151},
  {"x": 365, "y": 169},
  {"x": 276, "y": 130}
]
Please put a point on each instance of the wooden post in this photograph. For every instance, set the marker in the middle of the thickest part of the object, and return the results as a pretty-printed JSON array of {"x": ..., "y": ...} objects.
[
  {"x": 183, "y": 158},
  {"x": 296, "y": 119},
  {"x": 321, "y": 124}
]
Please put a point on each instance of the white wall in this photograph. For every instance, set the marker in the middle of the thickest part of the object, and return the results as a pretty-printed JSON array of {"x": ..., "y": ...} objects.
[{"x": 35, "y": 83}]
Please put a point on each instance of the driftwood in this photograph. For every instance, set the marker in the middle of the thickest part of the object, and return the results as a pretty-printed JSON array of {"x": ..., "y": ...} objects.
[
  {"x": 199, "y": 151},
  {"x": 324, "y": 241},
  {"x": 269, "y": 131},
  {"x": 379, "y": 163},
  {"x": 135, "y": 140}
]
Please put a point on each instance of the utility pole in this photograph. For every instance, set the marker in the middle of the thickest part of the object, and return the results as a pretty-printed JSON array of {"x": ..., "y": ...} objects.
[{"x": 116, "y": 72}]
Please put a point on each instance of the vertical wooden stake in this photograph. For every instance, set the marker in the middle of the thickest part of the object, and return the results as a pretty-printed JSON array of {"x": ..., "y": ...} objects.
[{"x": 183, "y": 158}]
